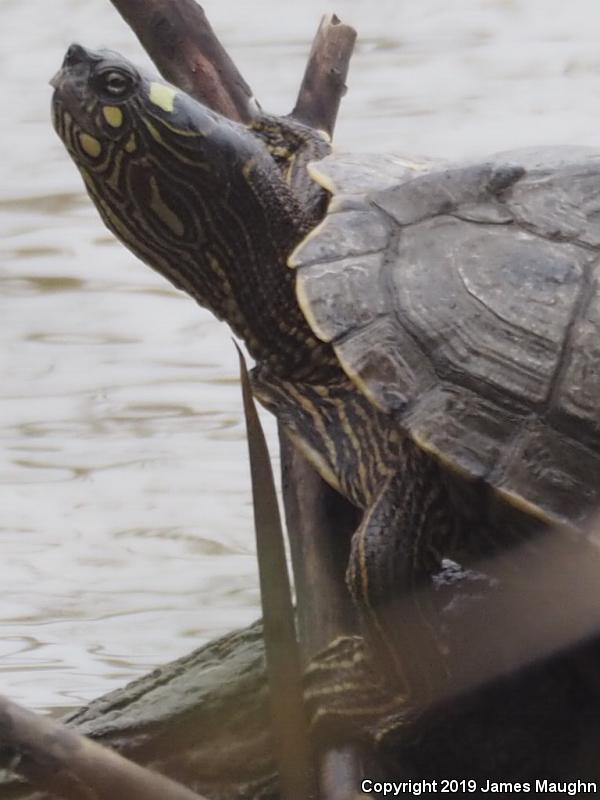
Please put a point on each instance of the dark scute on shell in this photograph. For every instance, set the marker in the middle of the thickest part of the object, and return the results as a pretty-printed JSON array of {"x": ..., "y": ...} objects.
[{"x": 478, "y": 322}]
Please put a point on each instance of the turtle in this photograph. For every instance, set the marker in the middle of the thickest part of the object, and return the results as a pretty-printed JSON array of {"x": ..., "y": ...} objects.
[{"x": 426, "y": 333}]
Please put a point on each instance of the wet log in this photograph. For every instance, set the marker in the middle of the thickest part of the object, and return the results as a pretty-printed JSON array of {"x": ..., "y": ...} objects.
[
  {"x": 204, "y": 719},
  {"x": 74, "y": 767}
]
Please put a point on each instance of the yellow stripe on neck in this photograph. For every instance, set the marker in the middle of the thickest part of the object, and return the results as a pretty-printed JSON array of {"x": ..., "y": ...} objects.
[{"x": 162, "y": 210}]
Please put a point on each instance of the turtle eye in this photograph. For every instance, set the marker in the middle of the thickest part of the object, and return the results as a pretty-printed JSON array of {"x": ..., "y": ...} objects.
[{"x": 115, "y": 83}]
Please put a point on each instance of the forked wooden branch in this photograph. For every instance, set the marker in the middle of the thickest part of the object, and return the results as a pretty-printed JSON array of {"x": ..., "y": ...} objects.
[{"x": 179, "y": 39}]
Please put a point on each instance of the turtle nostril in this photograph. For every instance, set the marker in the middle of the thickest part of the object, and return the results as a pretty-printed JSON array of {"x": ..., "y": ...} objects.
[{"x": 75, "y": 55}]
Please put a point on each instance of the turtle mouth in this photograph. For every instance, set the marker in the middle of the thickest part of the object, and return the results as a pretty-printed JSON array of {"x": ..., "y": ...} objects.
[
  {"x": 66, "y": 104},
  {"x": 70, "y": 86},
  {"x": 74, "y": 72},
  {"x": 56, "y": 80}
]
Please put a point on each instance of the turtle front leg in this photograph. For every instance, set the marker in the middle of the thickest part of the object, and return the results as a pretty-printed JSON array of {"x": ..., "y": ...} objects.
[
  {"x": 356, "y": 683},
  {"x": 395, "y": 552},
  {"x": 389, "y": 678}
]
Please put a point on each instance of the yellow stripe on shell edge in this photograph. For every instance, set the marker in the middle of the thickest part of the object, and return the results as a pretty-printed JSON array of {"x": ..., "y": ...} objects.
[{"x": 305, "y": 307}]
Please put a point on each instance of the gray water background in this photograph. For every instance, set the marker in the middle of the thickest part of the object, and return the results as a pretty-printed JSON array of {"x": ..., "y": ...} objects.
[{"x": 125, "y": 519}]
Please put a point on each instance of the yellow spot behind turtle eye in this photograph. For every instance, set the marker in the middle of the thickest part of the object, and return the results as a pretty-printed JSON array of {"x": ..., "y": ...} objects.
[
  {"x": 130, "y": 144},
  {"x": 90, "y": 145},
  {"x": 162, "y": 96},
  {"x": 113, "y": 115}
]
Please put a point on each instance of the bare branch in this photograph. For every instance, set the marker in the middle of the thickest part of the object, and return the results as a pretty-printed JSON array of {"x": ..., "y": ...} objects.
[
  {"x": 324, "y": 82},
  {"x": 55, "y": 759},
  {"x": 178, "y": 37}
]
